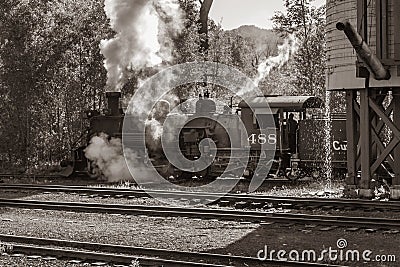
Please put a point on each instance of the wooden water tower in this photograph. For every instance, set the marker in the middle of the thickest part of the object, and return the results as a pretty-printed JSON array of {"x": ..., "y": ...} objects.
[{"x": 363, "y": 43}]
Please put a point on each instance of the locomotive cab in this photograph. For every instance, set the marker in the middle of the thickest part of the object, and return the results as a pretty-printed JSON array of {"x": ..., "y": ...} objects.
[{"x": 285, "y": 114}]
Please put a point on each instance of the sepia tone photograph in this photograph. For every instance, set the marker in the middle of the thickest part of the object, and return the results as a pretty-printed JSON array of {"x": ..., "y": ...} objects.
[{"x": 182, "y": 133}]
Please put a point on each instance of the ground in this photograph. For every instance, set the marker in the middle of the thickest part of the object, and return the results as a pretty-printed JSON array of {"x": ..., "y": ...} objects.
[{"x": 212, "y": 236}]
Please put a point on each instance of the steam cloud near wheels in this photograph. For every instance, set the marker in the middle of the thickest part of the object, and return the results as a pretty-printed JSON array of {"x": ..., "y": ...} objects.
[{"x": 107, "y": 158}]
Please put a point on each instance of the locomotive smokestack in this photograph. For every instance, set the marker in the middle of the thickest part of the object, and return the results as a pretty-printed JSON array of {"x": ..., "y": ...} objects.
[
  {"x": 113, "y": 102},
  {"x": 372, "y": 62}
]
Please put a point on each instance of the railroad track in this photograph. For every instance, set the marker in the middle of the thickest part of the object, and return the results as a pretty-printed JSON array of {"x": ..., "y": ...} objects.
[
  {"x": 208, "y": 213},
  {"x": 126, "y": 254},
  {"x": 44, "y": 176},
  {"x": 235, "y": 200}
]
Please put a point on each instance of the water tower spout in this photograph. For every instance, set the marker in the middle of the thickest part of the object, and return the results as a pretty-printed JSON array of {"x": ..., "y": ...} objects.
[{"x": 365, "y": 53}]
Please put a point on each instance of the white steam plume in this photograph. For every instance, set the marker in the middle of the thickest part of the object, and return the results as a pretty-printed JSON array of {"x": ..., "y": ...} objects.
[
  {"x": 155, "y": 122},
  {"x": 288, "y": 48},
  {"x": 107, "y": 156},
  {"x": 143, "y": 36}
]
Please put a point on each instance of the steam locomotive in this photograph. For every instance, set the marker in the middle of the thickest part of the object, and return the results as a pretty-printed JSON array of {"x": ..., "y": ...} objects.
[{"x": 299, "y": 152}]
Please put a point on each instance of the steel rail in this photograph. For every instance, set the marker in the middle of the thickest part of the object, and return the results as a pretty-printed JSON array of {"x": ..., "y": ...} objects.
[
  {"x": 293, "y": 201},
  {"x": 7, "y": 175},
  {"x": 166, "y": 255},
  {"x": 104, "y": 257},
  {"x": 206, "y": 213}
]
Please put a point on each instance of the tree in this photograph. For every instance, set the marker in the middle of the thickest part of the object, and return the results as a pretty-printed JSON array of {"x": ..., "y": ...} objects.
[
  {"x": 203, "y": 27},
  {"x": 307, "y": 23},
  {"x": 51, "y": 72}
]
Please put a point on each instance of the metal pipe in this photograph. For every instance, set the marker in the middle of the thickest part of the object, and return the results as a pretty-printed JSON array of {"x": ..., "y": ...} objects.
[{"x": 365, "y": 53}]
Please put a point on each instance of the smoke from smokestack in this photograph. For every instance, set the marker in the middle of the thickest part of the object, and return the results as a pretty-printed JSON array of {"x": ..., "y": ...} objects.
[
  {"x": 154, "y": 124},
  {"x": 144, "y": 31},
  {"x": 288, "y": 48},
  {"x": 143, "y": 36}
]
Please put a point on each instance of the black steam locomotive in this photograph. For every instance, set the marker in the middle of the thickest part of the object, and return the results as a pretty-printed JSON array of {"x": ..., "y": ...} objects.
[{"x": 299, "y": 135}]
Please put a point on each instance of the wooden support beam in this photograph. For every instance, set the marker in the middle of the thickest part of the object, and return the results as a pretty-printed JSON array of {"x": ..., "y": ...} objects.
[
  {"x": 396, "y": 152},
  {"x": 362, "y": 28},
  {"x": 352, "y": 138},
  {"x": 396, "y": 25},
  {"x": 378, "y": 21},
  {"x": 381, "y": 147},
  {"x": 358, "y": 163},
  {"x": 381, "y": 123},
  {"x": 362, "y": 18},
  {"x": 392, "y": 145},
  {"x": 385, "y": 119},
  {"x": 377, "y": 141},
  {"x": 379, "y": 97},
  {"x": 392, "y": 126},
  {"x": 385, "y": 30},
  {"x": 356, "y": 107},
  {"x": 381, "y": 9},
  {"x": 365, "y": 135},
  {"x": 373, "y": 122}
]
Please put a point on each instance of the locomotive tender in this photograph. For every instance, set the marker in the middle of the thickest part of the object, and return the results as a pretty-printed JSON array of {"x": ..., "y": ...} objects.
[{"x": 300, "y": 151}]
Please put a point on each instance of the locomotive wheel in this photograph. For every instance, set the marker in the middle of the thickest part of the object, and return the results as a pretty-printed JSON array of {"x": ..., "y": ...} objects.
[
  {"x": 94, "y": 172},
  {"x": 167, "y": 171}
]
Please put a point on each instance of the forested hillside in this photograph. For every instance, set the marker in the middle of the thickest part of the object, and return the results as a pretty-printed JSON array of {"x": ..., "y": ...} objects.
[{"x": 265, "y": 40}]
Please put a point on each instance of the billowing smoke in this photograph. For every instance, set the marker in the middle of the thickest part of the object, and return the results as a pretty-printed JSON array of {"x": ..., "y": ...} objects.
[
  {"x": 143, "y": 36},
  {"x": 288, "y": 48},
  {"x": 154, "y": 129},
  {"x": 107, "y": 158},
  {"x": 154, "y": 124},
  {"x": 144, "y": 31},
  {"x": 161, "y": 110}
]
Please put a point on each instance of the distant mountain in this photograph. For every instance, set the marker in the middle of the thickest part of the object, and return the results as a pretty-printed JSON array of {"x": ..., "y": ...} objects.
[
  {"x": 252, "y": 31},
  {"x": 262, "y": 38}
]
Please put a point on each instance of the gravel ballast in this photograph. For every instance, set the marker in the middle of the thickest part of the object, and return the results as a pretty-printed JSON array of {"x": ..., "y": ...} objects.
[
  {"x": 184, "y": 234},
  {"x": 168, "y": 233},
  {"x": 13, "y": 260}
]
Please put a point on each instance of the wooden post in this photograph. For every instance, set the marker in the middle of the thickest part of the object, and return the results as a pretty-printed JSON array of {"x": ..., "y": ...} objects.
[
  {"x": 396, "y": 22},
  {"x": 362, "y": 18},
  {"x": 373, "y": 123},
  {"x": 351, "y": 132},
  {"x": 396, "y": 121},
  {"x": 365, "y": 138},
  {"x": 381, "y": 11}
]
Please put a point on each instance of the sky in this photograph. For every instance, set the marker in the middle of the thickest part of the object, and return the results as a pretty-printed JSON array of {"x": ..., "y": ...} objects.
[{"x": 234, "y": 13}]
